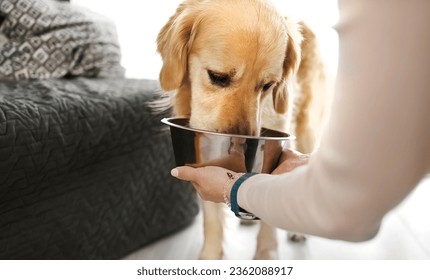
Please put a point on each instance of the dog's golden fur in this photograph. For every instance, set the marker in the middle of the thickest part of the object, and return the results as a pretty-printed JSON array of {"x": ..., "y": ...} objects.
[{"x": 236, "y": 66}]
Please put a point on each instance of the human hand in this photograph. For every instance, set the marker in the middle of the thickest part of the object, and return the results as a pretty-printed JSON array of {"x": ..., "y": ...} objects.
[
  {"x": 210, "y": 182},
  {"x": 290, "y": 160}
]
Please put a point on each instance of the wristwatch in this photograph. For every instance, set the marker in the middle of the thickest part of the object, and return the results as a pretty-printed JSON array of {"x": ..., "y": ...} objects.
[{"x": 237, "y": 210}]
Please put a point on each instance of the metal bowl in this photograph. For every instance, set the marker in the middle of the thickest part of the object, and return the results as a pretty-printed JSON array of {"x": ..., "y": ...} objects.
[{"x": 239, "y": 153}]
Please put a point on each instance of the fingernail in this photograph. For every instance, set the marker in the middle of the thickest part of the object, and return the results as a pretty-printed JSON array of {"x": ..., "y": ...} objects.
[{"x": 174, "y": 172}]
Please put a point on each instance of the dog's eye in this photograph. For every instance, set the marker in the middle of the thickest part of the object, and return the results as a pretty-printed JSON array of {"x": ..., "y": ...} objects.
[
  {"x": 267, "y": 86},
  {"x": 222, "y": 80}
]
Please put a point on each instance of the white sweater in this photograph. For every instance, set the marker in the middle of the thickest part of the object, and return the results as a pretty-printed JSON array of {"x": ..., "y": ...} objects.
[{"x": 376, "y": 147}]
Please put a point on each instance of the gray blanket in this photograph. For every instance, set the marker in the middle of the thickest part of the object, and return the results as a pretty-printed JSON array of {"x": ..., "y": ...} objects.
[
  {"x": 42, "y": 39},
  {"x": 84, "y": 170}
]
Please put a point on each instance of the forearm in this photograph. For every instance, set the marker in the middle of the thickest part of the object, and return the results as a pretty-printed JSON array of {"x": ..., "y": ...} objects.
[{"x": 377, "y": 144}]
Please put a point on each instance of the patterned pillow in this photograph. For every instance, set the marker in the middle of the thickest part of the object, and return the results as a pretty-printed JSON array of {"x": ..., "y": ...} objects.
[{"x": 51, "y": 39}]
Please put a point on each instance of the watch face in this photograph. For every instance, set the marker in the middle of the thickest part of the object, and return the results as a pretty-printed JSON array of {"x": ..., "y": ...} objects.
[{"x": 247, "y": 216}]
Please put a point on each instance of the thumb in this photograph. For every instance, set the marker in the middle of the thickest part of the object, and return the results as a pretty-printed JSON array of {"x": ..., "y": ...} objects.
[{"x": 185, "y": 173}]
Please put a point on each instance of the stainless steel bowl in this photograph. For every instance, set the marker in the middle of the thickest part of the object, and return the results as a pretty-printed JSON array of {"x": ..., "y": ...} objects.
[{"x": 239, "y": 153}]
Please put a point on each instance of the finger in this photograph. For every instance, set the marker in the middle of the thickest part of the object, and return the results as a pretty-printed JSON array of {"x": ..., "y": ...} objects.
[
  {"x": 185, "y": 173},
  {"x": 289, "y": 154}
]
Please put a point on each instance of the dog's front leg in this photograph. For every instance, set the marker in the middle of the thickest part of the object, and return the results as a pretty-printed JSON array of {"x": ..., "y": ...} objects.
[
  {"x": 213, "y": 218},
  {"x": 267, "y": 243}
]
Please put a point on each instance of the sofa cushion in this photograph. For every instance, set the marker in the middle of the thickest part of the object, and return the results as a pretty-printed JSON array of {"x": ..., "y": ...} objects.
[{"x": 43, "y": 39}]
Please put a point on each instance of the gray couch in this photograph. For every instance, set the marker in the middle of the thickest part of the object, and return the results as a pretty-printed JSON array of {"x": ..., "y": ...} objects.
[
  {"x": 84, "y": 169},
  {"x": 84, "y": 158}
]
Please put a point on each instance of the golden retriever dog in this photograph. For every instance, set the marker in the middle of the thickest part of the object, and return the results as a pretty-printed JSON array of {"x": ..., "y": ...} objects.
[{"x": 235, "y": 66}]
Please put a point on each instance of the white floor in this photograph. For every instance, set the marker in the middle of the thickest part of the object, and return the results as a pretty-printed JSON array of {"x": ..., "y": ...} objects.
[{"x": 405, "y": 234}]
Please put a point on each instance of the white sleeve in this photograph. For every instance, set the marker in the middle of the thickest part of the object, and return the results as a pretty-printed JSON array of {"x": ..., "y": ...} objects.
[{"x": 376, "y": 147}]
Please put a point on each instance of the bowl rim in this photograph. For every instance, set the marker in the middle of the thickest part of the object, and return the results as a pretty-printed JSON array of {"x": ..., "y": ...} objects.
[{"x": 168, "y": 121}]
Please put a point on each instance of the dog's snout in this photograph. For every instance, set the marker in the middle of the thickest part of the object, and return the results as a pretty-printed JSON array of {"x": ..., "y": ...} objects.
[
  {"x": 242, "y": 128},
  {"x": 243, "y": 120}
]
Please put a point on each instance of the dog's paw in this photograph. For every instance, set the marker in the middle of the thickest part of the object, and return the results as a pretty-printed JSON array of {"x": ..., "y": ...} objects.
[
  {"x": 266, "y": 254},
  {"x": 296, "y": 237}
]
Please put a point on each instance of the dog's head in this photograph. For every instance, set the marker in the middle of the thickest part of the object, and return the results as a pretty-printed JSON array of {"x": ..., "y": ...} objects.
[{"x": 223, "y": 58}]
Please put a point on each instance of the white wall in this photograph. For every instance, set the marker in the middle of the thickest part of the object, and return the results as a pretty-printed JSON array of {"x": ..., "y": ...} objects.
[{"x": 138, "y": 23}]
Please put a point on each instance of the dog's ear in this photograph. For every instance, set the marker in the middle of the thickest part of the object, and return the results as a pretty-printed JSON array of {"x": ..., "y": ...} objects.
[
  {"x": 290, "y": 67},
  {"x": 173, "y": 44}
]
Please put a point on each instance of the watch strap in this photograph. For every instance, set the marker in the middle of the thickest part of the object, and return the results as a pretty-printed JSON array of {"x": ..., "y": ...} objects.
[{"x": 237, "y": 210}]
